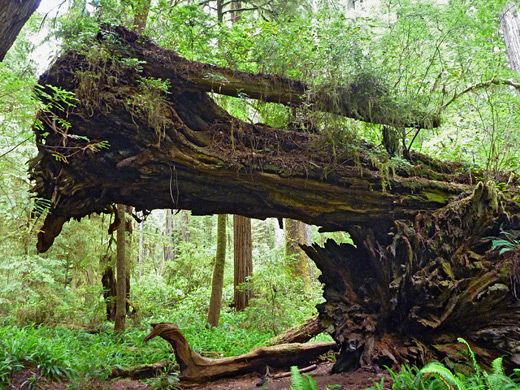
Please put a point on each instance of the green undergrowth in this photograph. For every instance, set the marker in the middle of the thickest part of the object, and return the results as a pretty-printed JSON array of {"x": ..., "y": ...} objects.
[
  {"x": 463, "y": 376},
  {"x": 79, "y": 356}
]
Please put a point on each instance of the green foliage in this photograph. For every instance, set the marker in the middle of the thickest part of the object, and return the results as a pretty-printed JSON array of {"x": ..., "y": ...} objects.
[
  {"x": 63, "y": 353},
  {"x": 167, "y": 380},
  {"x": 509, "y": 243},
  {"x": 436, "y": 376},
  {"x": 301, "y": 382}
]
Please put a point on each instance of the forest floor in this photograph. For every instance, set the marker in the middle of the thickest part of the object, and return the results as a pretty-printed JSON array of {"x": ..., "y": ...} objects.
[{"x": 357, "y": 380}]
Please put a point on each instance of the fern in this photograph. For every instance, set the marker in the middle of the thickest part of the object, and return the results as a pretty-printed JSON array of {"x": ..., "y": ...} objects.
[
  {"x": 478, "y": 374},
  {"x": 439, "y": 371},
  {"x": 498, "y": 380},
  {"x": 300, "y": 382}
]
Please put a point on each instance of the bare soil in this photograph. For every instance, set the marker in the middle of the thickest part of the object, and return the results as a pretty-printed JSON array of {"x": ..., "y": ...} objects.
[{"x": 357, "y": 380}]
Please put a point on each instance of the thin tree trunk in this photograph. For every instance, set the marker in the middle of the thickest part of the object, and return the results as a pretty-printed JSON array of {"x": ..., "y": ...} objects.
[
  {"x": 220, "y": 11},
  {"x": 243, "y": 260},
  {"x": 168, "y": 245},
  {"x": 129, "y": 230},
  {"x": 140, "y": 255},
  {"x": 121, "y": 284},
  {"x": 510, "y": 21},
  {"x": 185, "y": 220},
  {"x": 218, "y": 272},
  {"x": 235, "y": 16},
  {"x": 294, "y": 236},
  {"x": 141, "y": 11}
]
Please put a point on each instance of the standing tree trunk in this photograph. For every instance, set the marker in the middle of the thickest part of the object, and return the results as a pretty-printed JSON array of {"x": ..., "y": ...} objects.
[
  {"x": 108, "y": 281},
  {"x": 295, "y": 235},
  {"x": 140, "y": 255},
  {"x": 13, "y": 16},
  {"x": 243, "y": 260},
  {"x": 235, "y": 16},
  {"x": 510, "y": 21},
  {"x": 218, "y": 272},
  {"x": 121, "y": 283},
  {"x": 185, "y": 231},
  {"x": 141, "y": 11},
  {"x": 168, "y": 252}
]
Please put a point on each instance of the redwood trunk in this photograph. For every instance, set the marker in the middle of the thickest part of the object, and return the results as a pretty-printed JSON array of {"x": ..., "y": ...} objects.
[
  {"x": 243, "y": 261},
  {"x": 121, "y": 283}
]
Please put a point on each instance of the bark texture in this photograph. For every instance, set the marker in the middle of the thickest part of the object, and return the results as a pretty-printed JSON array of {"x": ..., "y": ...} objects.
[
  {"x": 180, "y": 150},
  {"x": 510, "y": 22},
  {"x": 243, "y": 260},
  {"x": 217, "y": 284},
  {"x": 13, "y": 16},
  {"x": 196, "y": 368},
  {"x": 298, "y": 334},
  {"x": 121, "y": 282},
  {"x": 408, "y": 296}
]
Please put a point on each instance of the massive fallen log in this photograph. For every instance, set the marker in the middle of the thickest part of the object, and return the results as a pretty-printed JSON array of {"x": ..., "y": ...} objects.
[
  {"x": 423, "y": 269},
  {"x": 178, "y": 149},
  {"x": 408, "y": 297},
  {"x": 196, "y": 368}
]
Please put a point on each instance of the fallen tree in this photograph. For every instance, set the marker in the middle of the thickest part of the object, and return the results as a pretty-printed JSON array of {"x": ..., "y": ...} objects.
[
  {"x": 420, "y": 232},
  {"x": 179, "y": 149},
  {"x": 195, "y": 368}
]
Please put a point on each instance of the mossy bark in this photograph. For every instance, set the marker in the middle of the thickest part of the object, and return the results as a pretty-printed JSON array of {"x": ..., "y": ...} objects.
[
  {"x": 217, "y": 284},
  {"x": 169, "y": 153}
]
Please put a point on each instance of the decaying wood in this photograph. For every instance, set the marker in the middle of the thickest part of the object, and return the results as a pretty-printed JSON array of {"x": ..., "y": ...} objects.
[
  {"x": 299, "y": 333},
  {"x": 408, "y": 296},
  {"x": 142, "y": 371},
  {"x": 180, "y": 150},
  {"x": 196, "y": 368}
]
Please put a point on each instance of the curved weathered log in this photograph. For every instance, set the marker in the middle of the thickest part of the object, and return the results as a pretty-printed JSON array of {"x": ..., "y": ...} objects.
[
  {"x": 180, "y": 150},
  {"x": 408, "y": 297},
  {"x": 197, "y": 368}
]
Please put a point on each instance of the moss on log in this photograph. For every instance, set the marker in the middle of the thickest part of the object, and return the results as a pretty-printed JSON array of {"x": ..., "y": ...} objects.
[{"x": 131, "y": 142}]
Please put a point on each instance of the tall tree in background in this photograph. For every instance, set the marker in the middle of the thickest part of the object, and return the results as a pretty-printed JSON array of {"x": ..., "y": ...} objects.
[
  {"x": 218, "y": 272},
  {"x": 243, "y": 260},
  {"x": 168, "y": 250},
  {"x": 13, "y": 15},
  {"x": 296, "y": 233},
  {"x": 141, "y": 11},
  {"x": 121, "y": 284}
]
